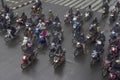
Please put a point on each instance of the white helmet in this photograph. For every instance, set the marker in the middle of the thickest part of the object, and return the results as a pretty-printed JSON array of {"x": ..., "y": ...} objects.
[
  {"x": 25, "y": 38},
  {"x": 52, "y": 44}
]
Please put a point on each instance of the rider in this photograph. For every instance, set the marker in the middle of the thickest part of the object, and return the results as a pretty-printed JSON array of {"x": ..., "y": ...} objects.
[
  {"x": 89, "y": 8},
  {"x": 116, "y": 28},
  {"x": 12, "y": 31},
  {"x": 24, "y": 17},
  {"x": 101, "y": 36},
  {"x": 53, "y": 47},
  {"x": 114, "y": 35},
  {"x": 51, "y": 15},
  {"x": 79, "y": 46},
  {"x": 77, "y": 13},
  {"x": 59, "y": 50},
  {"x": 57, "y": 19},
  {"x": 118, "y": 6},
  {"x": 38, "y": 4},
  {"x": 41, "y": 40},
  {"x": 95, "y": 21}
]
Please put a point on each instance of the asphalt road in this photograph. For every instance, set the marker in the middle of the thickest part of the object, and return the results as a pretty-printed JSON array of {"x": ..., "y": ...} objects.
[{"x": 73, "y": 69}]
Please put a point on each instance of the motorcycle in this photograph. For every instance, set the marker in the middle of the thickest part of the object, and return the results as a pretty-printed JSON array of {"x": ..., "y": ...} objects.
[
  {"x": 113, "y": 75},
  {"x": 112, "y": 18},
  {"x": 106, "y": 67},
  {"x": 90, "y": 38},
  {"x": 88, "y": 15},
  {"x": 104, "y": 13},
  {"x": 95, "y": 57},
  {"x": 114, "y": 50},
  {"x": 67, "y": 19},
  {"x": 58, "y": 60},
  {"x": 78, "y": 51},
  {"x": 28, "y": 59},
  {"x": 8, "y": 37},
  {"x": 48, "y": 22}
]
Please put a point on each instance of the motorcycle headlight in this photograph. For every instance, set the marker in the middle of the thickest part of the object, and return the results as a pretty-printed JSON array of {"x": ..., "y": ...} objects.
[
  {"x": 93, "y": 54},
  {"x": 17, "y": 20},
  {"x": 88, "y": 37},
  {"x": 86, "y": 14},
  {"x": 113, "y": 49},
  {"x": 24, "y": 57},
  {"x": 56, "y": 59},
  {"x": 27, "y": 25},
  {"x": 74, "y": 26},
  {"x": 99, "y": 42}
]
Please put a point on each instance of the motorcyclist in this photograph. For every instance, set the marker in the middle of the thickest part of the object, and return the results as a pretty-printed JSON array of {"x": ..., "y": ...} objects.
[
  {"x": 57, "y": 19},
  {"x": 118, "y": 6},
  {"x": 7, "y": 9},
  {"x": 53, "y": 47},
  {"x": 77, "y": 13},
  {"x": 106, "y": 8},
  {"x": 89, "y": 9},
  {"x": 114, "y": 35},
  {"x": 70, "y": 12},
  {"x": 79, "y": 46},
  {"x": 38, "y": 4},
  {"x": 24, "y": 17},
  {"x": 37, "y": 32},
  {"x": 41, "y": 25},
  {"x": 59, "y": 50},
  {"x": 56, "y": 39},
  {"x": 51, "y": 15},
  {"x": 95, "y": 21},
  {"x": 7, "y": 17},
  {"x": 116, "y": 28},
  {"x": 41, "y": 40},
  {"x": 101, "y": 36},
  {"x": 93, "y": 29},
  {"x": 12, "y": 31},
  {"x": 116, "y": 69},
  {"x": 99, "y": 47}
]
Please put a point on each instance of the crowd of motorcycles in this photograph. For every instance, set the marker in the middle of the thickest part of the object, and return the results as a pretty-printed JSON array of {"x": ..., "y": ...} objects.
[{"x": 41, "y": 32}]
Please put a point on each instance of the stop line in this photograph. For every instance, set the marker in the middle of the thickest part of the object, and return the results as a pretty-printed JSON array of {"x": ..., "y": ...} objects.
[{"x": 82, "y": 4}]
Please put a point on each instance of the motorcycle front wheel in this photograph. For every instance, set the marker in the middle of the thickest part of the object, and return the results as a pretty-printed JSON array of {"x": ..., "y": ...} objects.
[{"x": 76, "y": 53}]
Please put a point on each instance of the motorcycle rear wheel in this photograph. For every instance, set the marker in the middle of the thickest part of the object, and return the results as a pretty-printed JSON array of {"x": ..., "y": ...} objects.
[{"x": 104, "y": 72}]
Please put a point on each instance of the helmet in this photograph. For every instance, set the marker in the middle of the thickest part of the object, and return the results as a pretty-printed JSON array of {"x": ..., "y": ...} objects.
[
  {"x": 117, "y": 24},
  {"x": 52, "y": 44},
  {"x": 113, "y": 32},
  {"x": 78, "y": 43},
  {"x": 25, "y": 38},
  {"x": 50, "y": 11},
  {"x": 102, "y": 32},
  {"x": 40, "y": 21},
  {"x": 117, "y": 61},
  {"x": 77, "y": 9}
]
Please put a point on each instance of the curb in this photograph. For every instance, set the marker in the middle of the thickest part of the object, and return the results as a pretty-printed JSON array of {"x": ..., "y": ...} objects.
[{"x": 22, "y": 5}]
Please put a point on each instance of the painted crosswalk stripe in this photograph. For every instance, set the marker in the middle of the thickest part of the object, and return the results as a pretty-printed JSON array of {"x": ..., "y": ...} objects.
[
  {"x": 47, "y": 0},
  {"x": 64, "y": 2},
  {"x": 53, "y": 1},
  {"x": 85, "y": 1},
  {"x": 71, "y": 2},
  {"x": 59, "y": 1},
  {"x": 92, "y": 1},
  {"x": 76, "y": 3},
  {"x": 97, "y": 5}
]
